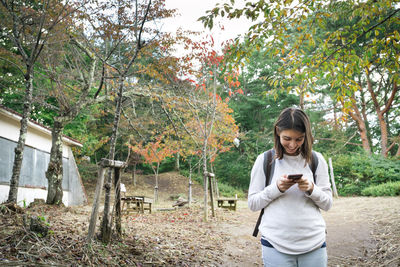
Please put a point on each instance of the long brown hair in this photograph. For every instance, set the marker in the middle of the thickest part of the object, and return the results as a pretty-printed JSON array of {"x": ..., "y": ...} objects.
[{"x": 294, "y": 119}]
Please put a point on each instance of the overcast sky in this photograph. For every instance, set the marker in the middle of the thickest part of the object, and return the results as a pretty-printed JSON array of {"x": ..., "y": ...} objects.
[{"x": 189, "y": 12}]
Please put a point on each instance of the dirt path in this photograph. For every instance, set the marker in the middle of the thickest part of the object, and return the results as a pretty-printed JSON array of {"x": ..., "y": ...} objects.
[
  {"x": 355, "y": 228},
  {"x": 242, "y": 249}
]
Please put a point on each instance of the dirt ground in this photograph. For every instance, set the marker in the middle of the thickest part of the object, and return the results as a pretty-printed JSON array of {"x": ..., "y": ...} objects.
[{"x": 361, "y": 232}]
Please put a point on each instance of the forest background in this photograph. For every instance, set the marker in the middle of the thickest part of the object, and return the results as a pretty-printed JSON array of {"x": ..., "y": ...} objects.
[{"x": 105, "y": 73}]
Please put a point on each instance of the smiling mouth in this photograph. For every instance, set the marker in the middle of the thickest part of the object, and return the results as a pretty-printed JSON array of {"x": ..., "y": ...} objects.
[{"x": 291, "y": 150}]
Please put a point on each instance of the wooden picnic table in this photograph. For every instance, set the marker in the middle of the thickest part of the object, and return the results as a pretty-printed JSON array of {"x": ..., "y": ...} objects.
[
  {"x": 227, "y": 203},
  {"x": 136, "y": 203}
]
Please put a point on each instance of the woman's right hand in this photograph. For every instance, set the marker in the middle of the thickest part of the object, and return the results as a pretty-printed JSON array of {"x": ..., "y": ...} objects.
[{"x": 284, "y": 183}]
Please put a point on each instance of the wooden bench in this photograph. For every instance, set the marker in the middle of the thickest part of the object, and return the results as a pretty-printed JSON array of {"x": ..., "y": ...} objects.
[
  {"x": 227, "y": 203},
  {"x": 136, "y": 203}
]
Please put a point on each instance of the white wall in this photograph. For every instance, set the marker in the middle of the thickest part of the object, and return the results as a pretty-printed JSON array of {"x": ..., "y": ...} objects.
[
  {"x": 40, "y": 139},
  {"x": 29, "y": 195}
]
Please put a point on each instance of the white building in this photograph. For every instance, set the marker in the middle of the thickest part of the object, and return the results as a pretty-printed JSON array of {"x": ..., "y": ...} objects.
[{"x": 32, "y": 181}]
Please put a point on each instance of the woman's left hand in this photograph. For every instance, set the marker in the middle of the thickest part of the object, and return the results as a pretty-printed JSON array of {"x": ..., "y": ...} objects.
[{"x": 305, "y": 185}]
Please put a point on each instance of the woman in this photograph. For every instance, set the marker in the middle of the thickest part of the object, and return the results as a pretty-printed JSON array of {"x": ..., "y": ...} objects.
[{"x": 292, "y": 227}]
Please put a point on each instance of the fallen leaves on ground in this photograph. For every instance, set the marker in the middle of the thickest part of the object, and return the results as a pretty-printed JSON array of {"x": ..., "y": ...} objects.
[
  {"x": 173, "y": 238},
  {"x": 178, "y": 238}
]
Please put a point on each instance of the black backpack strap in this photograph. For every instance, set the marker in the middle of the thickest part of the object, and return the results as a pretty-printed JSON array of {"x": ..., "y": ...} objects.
[
  {"x": 314, "y": 165},
  {"x": 268, "y": 166}
]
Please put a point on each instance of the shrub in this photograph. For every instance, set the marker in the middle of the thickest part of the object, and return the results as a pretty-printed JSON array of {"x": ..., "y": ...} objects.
[
  {"x": 355, "y": 172},
  {"x": 234, "y": 169},
  {"x": 386, "y": 189},
  {"x": 167, "y": 165},
  {"x": 88, "y": 171},
  {"x": 226, "y": 190},
  {"x": 350, "y": 190}
]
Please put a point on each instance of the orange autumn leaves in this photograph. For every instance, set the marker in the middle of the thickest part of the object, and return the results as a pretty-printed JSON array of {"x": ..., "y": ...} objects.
[{"x": 200, "y": 108}]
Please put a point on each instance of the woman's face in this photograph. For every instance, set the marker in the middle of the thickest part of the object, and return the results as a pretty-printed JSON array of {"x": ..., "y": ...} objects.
[{"x": 291, "y": 141}]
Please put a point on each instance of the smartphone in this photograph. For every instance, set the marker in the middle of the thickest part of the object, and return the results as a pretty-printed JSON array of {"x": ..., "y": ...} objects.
[{"x": 294, "y": 176}]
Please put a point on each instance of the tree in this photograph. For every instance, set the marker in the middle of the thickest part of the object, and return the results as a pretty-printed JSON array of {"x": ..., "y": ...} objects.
[
  {"x": 255, "y": 112},
  {"x": 154, "y": 152},
  {"x": 210, "y": 126},
  {"x": 30, "y": 26},
  {"x": 346, "y": 46},
  {"x": 71, "y": 70},
  {"x": 119, "y": 29}
]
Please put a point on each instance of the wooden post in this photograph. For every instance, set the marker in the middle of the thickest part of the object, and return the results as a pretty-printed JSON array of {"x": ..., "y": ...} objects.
[
  {"x": 210, "y": 176},
  {"x": 335, "y": 193},
  {"x": 104, "y": 164},
  {"x": 96, "y": 201},
  {"x": 117, "y": 186}
]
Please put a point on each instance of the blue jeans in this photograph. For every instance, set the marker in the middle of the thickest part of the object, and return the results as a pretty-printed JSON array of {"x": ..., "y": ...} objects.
[{"x": 274, "y": 258}]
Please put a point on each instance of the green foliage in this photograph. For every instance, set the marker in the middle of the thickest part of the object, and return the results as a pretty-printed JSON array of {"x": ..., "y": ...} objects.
[
  {"x": 255, "y": 112},
  {"x": 225, "y": 189},
  {"x": 234, "y": 169},
  {"x": 324, "y": 35},
  {"x": 90, "y": 128},
  {"x": 355, "y": 172},
  {"x": 88, "y": 171},
  {"x": 167, "y": 165},
  {"x": 341, "y": 47},
  {"x": 258, "y": 108},
  {"x": 195, "y": 176},
  {"x": 386, "y": 189}
]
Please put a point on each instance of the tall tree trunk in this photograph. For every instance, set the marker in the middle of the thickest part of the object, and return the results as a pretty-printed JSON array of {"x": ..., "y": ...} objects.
[
  {"x": 117, "y": 184},
  {"x": 205, "y": 180},
  {"x": 301, "y": 101},
  {"x": 364, "y": 116},
  {"x": 106, "y": 222},
  {"x": 384, "y": 134},
  {"x": 207, "y": 134},
  {"x": 19, "y": 150},
  {"x": 54, "y": 173},
  {"x": 190, "y": 183},
  {"x": 177, "y": 166},
  {"x": 356, "y": 115},
  {"x": 381, "y": 112}
]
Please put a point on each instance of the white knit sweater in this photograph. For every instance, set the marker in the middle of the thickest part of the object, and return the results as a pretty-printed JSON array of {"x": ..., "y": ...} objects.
[{"x": 292, "y": 221}]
